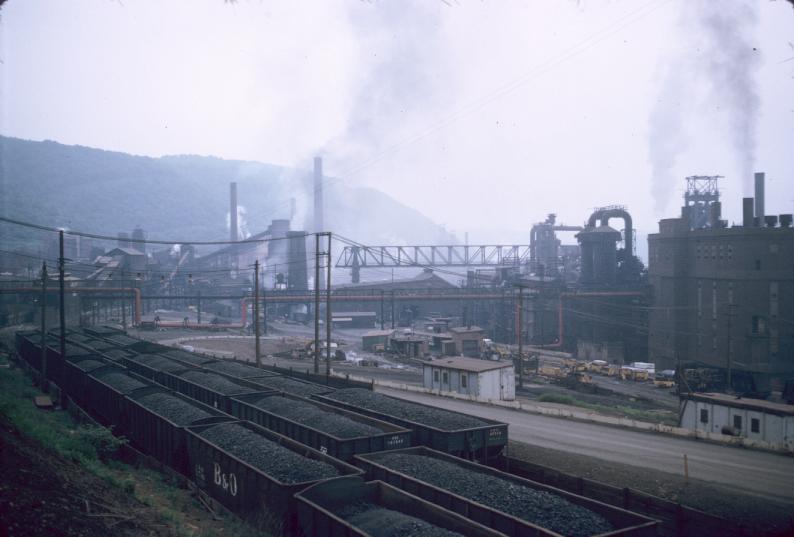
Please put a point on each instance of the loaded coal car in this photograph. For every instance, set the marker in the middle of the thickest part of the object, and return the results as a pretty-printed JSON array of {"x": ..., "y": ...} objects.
[
  {"x": 444, "y": 430},
  {"x": 117, "y": 355},
  {"x": 154, "y": 419},
  {"x": 102, "y": 331},
  {"x": 255, "y": 472},
  {"x": 507, "y": 503},
  {"x": 190, "y": 358},
  {"x": 75, "y": 376},
  {"x": 212, "y": 389},
  {"x": 27, "y": 343},
  {"x": 301, "y": 388},
  {"x": 330, "y": 429},
  {"x": 347, "y": 506},
  {"x": 156, "y": 368},
  {"x": 237, "y": 370},
  {"x": 106, "y": 388}
]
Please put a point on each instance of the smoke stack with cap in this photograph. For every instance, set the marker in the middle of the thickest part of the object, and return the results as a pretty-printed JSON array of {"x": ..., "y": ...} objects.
[
  {"x": 759, "y": 197},
  {"x": 233, "y": 211},
  {"x": 318, "y": 194}
]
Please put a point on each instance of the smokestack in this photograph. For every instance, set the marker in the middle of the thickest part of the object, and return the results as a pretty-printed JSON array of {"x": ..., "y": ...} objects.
[
  {"x": 233, "y": 211},
  {"x": 747, "y": 212},
  {"x": 759, "y": 196},
  {"x": 715, "y": 214},
  {"x": 318, "y": 194}
]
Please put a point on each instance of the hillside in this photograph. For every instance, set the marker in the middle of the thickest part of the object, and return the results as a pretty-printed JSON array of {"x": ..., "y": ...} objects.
[{"x": 186, "y": 197}]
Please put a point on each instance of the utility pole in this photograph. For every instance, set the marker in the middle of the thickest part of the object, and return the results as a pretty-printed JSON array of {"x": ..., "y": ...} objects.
[
  {"x": 62, "y": 289},
  {"x": 123, "y": 304},
  {"x": 198, "y": 308},
  {"x": 392, "y": 309},
  {"x": 316, "y": 303},
  {"x": 731, "y": 313},
  {"x": 381, "y": 310},
  {"x": 256, "y": 314},
  {"x": 44, "y": 325},
  {"x": 328, "y": 312},
  {"x": 520, "y": 338},
  {"x": 264, "y": 309}
]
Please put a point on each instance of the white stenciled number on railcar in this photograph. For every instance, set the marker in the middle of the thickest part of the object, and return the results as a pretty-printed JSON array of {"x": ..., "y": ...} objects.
[
  {"x": 200, "y": 473},
  {"x": 323, "y": 449}
]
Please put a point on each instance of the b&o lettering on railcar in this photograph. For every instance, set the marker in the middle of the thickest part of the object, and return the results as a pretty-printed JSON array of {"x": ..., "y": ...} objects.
[{"x": 228, "y": 482}]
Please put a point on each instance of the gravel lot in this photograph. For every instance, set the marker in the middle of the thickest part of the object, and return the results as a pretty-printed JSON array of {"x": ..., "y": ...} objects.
[
  {"x": 174, "y": 409},
  {"x": 380, "y": 522},
  {"x": 425, "y": 415},
  {"x": 312, "y": 416},
  {"x": 217, "y": 383},
  {"x": 536, "y": 506},
  {"x": 274, "y": 460},
  {"x": 120, "y": 381}
]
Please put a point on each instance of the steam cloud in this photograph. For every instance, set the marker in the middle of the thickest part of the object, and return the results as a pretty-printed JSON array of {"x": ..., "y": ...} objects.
[
  {"x": 719, "y": 53},
  {"x": 242, "y": 224}
]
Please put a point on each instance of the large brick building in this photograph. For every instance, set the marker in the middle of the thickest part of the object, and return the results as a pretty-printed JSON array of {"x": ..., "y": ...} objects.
[{"x": 724, "y": 296}]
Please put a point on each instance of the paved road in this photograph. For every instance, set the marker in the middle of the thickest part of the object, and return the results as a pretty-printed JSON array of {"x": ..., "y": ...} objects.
[{"x": 764, "y": 474}]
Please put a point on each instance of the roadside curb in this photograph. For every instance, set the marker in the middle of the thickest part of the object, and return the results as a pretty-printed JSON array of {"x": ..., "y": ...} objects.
[{"x": 565, "y": 412}]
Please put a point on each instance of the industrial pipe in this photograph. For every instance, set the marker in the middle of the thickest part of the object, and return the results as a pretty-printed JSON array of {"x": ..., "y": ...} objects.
[
  {"x": 605, "y": 214},
  {"x": 135, "y": 291},
  {"x": 561, "y": 326}
]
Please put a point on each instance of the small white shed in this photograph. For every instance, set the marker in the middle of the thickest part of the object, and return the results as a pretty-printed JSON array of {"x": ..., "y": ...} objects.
[
  {"x": 482, "y": 379},
  {"x": 755, "y": 419}
]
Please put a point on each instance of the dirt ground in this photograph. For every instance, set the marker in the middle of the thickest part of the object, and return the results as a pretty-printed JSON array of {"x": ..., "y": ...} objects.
[
  {"x": 44, "y": 494},
  {"x": 760, "y": 514}
]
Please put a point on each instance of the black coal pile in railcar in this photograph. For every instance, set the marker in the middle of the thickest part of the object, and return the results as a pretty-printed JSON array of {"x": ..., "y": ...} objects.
[
  {"x": 381, "y": 522},
  {"x": 426, "y": 415},
  {"x": 235, "y": 369},
  {"x": 160, "y": 363},
  {"x": 172, "y": 408},
  {"x": 120, "y": 381},
  {"x": 89, "y": 365},
  {"x": 217, "y": 383},
  {"x": 291, "y": 386},
  {"x": 312, "y": 416},
  {"x": 280, "y": 463},
  {"x": 189, "y": 357},
  {"x": 536, "y": 506},
  {"x": 122, "y": 340}
]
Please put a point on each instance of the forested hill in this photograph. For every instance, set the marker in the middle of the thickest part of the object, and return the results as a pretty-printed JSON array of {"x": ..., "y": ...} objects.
[{"x": 186, "y": 197}]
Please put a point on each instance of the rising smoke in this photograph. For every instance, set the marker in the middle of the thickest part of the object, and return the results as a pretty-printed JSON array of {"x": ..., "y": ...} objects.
[
  {"x": 717, "y": 53},
  {"x": 242, "y": 223}
]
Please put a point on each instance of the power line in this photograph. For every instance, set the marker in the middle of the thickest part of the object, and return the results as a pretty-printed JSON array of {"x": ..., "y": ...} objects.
[{"x": 142, "y": 241}]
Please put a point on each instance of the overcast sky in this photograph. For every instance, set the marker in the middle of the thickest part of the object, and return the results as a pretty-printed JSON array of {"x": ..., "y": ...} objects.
[{"x": 485, "y": 115}]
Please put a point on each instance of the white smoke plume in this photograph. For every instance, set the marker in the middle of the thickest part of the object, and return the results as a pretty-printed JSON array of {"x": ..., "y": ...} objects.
[
  {"x": 719, "y": 55},
  {"x": 242, "y": 224}
]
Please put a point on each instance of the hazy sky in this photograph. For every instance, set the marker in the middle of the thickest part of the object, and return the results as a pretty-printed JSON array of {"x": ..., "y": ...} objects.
[{"x": 485, "y": 115}]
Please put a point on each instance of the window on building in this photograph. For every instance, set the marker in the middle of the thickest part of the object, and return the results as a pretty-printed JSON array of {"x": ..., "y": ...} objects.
[
  {"x": 759, "y": 324},
  {"x": 755, "y": 425},
  {"x": 435, "y": 376},
  {"x": 704, "y": 415},
  {"x": 464, "y": 381},
  {"x": 446, "y": 377},
  {"x": 737, "y": 422}
]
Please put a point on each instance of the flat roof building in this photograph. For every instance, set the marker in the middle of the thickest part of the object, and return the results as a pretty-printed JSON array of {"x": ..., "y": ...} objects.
[{"x": 480, "y": 379}]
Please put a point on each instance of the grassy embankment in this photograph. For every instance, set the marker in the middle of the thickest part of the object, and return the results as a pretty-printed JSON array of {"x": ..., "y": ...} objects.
[
  {"x": 94, "y": 448},
  {"x": 659, "y": 416}
]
